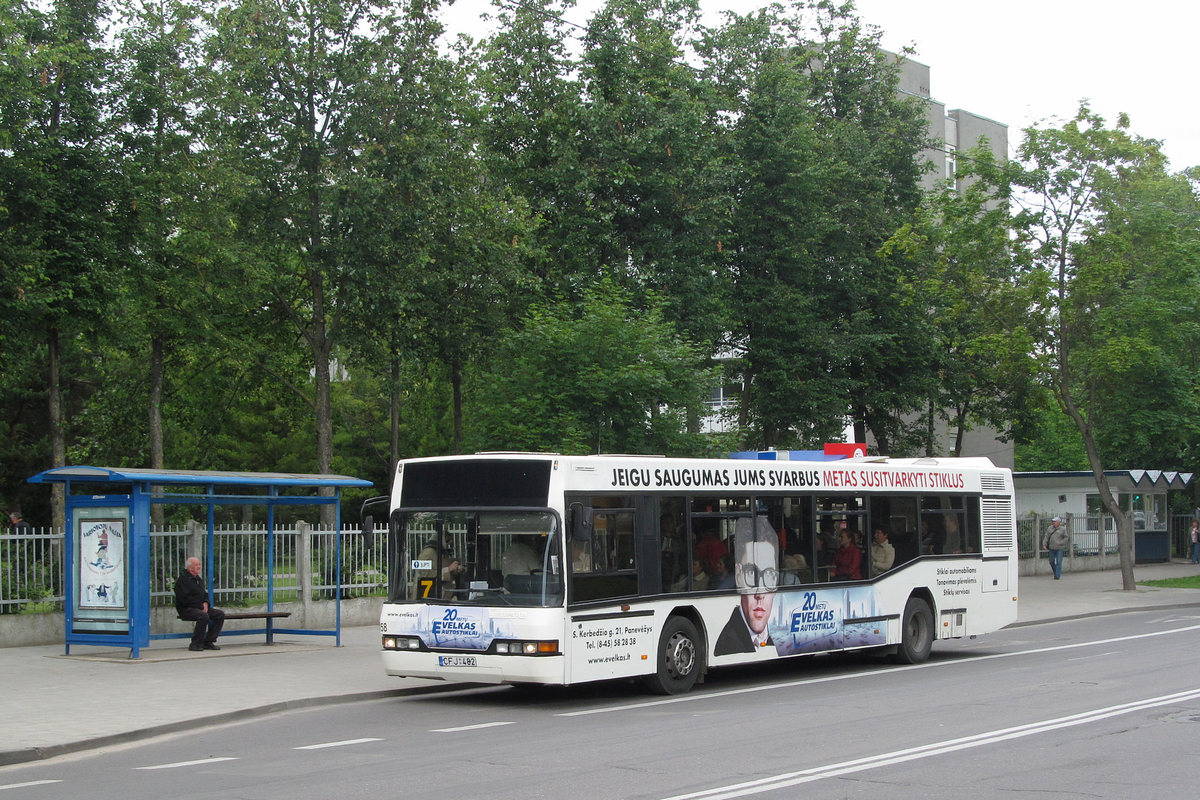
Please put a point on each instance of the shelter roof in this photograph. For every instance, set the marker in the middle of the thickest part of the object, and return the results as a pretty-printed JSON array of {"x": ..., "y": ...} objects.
[
  {"x": 194, "y": 477},
  {"x": 1139, "y": 478}
]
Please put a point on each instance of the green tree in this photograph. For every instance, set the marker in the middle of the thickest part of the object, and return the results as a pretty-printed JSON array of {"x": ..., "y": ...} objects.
[
  {"x": 165, "y": 227},
  {"x": 1051, "y": 442},
  {"x": 531, "y": 127},
  {"x": 826, "y": 172},
  {"x": 473, "y": 286},
  {"x": 406, "y": 182},
  {"x": 658, "y": 191},
  {"x": 870, "y": 137},
  {"x": 1138, "y": 299},
  {"x": 287, "y": 82},
  {"x": 608, "y": 377},
  {"x": 789, "y": 345},
  {"x": 1116, "y": 235},
  {"x": 58, "y": 194},
  {"x": 966, "y": 277}
]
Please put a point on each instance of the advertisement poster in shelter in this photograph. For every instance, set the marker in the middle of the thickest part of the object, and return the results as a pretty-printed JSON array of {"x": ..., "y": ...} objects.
[{"x": 101, "y": 561}]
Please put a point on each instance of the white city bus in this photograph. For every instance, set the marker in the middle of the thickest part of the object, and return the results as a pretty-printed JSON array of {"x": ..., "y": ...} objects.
[{"x": 551, "y": 569}]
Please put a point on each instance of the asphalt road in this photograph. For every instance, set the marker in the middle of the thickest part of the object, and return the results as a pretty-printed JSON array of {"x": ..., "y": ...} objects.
[{"x": 1106, "y": 707}]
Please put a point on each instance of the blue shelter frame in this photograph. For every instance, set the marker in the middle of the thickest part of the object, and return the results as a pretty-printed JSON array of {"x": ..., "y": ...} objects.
[{"x": 107, "y": 591}]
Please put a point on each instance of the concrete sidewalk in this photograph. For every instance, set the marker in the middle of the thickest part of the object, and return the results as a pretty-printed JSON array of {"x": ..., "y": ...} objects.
[{"x": 54, "y": 704}]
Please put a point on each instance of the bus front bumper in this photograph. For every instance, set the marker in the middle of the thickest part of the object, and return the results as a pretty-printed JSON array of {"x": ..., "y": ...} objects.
[{"x": 475, "y": 668}]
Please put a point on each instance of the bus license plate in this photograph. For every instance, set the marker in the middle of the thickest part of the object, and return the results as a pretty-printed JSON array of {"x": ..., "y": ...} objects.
[{"x": 456, "y": 661}]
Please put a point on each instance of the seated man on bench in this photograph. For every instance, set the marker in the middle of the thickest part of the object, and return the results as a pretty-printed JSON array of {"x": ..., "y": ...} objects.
[{"x": 191, "y": 601}]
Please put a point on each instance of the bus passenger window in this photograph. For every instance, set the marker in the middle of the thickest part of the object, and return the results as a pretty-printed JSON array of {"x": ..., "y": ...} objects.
[
  {"x": 673, "y": 546},
  {"x": 606, "y": 566},
  {"x": 708, "y": 545}
]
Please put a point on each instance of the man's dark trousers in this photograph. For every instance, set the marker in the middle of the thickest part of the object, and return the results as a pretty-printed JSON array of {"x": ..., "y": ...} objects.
[{"x": 208, "y": 624}]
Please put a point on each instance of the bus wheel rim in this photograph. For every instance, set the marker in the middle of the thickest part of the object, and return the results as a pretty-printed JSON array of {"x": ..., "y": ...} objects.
[{"x": 681, "y": 655}]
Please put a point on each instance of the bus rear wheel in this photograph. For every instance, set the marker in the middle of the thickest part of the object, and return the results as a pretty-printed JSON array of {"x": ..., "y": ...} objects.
[
  {"x": 679, "y": 658},
  {"x": 916, "y": 632}
]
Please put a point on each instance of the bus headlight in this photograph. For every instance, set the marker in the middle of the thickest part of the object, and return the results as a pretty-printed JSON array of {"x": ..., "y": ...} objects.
[
  {"x": 542, "y": 648},
  {"x": 401, "y": 643}
]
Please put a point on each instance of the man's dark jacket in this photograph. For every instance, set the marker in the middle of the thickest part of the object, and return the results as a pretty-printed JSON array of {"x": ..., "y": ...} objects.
[{"x": 190, "y": 592}]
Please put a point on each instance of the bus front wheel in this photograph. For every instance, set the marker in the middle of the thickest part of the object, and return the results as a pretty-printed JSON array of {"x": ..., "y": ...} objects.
[
  {"x": 679, "y": 658},
  {"x": 916, "y": 636}
]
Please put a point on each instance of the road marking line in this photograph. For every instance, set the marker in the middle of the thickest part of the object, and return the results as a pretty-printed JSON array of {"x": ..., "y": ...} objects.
[
  {"x": 191, "y": 763},
  {"x": 790, "y": 779},
  {"x": 27, "y": 783},
  {"x": 472, "y": 727},
  {"x": 859, "y": 674},
  {"x": 336, "y": 744}
]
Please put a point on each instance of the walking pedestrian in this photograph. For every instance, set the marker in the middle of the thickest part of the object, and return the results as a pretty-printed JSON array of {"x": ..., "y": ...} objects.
[
  {"x": 1055, "y": 542},
  {"x": 1196, "y": 541}
]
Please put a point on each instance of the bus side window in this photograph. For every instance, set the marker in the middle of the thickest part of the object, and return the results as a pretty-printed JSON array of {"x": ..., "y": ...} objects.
[
  {"x": 673, "y": 545},
  {"x": 613, "y": 558}
]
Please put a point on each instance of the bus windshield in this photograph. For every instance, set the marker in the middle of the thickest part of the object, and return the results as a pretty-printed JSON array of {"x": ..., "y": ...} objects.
[{"x": 479, "y": 558}]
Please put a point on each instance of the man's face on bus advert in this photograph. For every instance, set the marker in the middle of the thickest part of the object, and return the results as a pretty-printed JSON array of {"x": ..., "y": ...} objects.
[
  {"x": 756, "y": 583},
  {"x": 756, "y": 608}
]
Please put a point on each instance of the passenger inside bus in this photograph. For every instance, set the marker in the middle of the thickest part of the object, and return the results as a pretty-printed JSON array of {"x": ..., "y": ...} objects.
[
  {"x": 933, "y": 537},
  {"x": 709, "y": 546},
  {"x": 519, "y": 557},
  {"x": 722, "y": 574},
  {"x": 883, "y": 555},
  {"x": 847, "y": 561},
  {"x": 795, "y": 566},
  {"x": 699, "y": 579}
]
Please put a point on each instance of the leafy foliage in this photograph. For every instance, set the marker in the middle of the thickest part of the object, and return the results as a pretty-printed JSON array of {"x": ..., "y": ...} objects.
[
  {"x": 1116, "y": 237},
  {"x": 966, "y": 269},
  {"x": 256, "y": 234},
  {"x": 606, "y": 377}
]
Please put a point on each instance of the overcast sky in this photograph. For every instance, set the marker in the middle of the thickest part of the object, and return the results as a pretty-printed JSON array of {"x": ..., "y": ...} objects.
[{"x": 1025, "y": 61}]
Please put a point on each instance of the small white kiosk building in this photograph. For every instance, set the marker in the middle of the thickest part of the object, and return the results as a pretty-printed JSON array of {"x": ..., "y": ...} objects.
[{"x": 1074, "y": 497}]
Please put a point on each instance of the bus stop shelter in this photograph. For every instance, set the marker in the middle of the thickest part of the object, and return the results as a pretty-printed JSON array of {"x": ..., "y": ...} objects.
[{"x": 107, "y": 543}]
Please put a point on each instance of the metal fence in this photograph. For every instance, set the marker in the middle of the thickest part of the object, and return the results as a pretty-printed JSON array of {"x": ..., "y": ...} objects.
[
  {"x": 31, "y": 571},
  {"x": 31, "y": 564},
  {"x": 1095, "y": 538},
  {"x": 244, "y": 572}
]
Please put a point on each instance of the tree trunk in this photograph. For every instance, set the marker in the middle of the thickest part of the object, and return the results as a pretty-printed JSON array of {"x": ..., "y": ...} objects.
[
  {"x": 1124, "y": 522},
  {"x": 961, "y": 425},
  {"x": 58, "y": 444},
  {"x": 860, "y": 433},
  {"x": 456, "y": 386},
  {"x": 394, "y": 415},
  {"x": 324, "y": 409},
  {"x": 929, "y": 425},
  {"x": 1063, "y": 385},
  {"x": 156, "y": 428}
]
